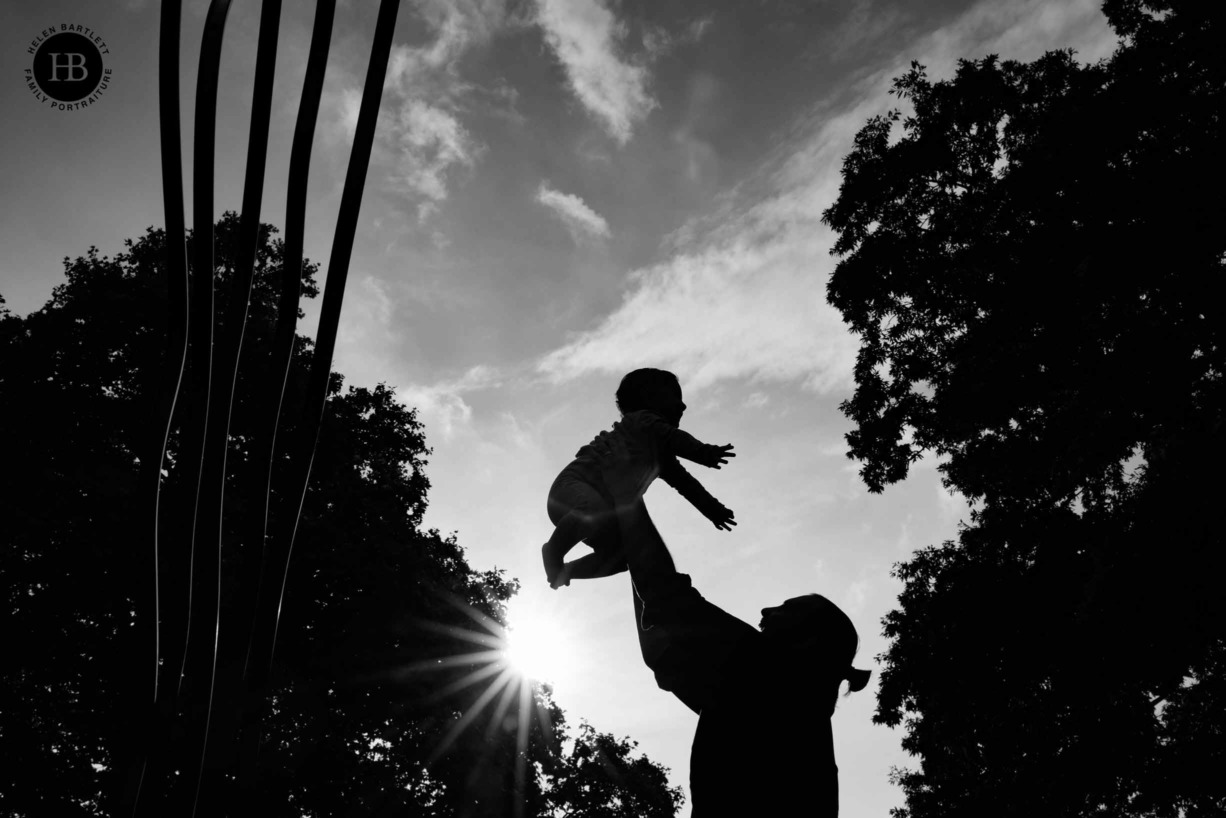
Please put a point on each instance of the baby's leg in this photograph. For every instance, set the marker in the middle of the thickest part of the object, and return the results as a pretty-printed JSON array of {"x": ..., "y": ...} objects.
[
  {"x": 606, "y": 560},
  {"x": 572, "y": 528},
  {"x": 591, "y": 566},
  {"x": 578, "y": 511}
]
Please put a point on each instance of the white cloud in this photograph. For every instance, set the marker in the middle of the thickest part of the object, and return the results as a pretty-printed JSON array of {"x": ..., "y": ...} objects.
[
  {"x": 743, "y": 308},
  {"x": 743, "y": 295},
  {"x": 658, "y": 41},
  {"x": 441, "y": 405},
  {"x": 584, "y": 35},
  {"x": 757, "y": 400},
  {"x": 420, "y": 138},
  {"x": 698, "y": 28},
  {"x": 364, "y": 335},
  {"x": 431, "y": 142},
  {"x": 347, "y": 104},
  {"x": 579, "y": 219}
]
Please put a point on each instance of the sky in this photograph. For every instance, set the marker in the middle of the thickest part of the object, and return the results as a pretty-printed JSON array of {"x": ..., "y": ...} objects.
[{"x": 562, "y": 191}]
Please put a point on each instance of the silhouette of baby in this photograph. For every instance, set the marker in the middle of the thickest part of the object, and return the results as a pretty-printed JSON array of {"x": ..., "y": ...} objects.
[{"x": 581, "y": 508}]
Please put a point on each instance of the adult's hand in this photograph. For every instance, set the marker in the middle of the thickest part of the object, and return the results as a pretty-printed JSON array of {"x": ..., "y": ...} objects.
[{"x": 627, "y": 464}]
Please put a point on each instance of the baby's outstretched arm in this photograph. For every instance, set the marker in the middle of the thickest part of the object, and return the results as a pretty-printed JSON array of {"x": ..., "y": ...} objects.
[
  {"x": 687, "y": 486},
  {"x": 680, "y": 443}
]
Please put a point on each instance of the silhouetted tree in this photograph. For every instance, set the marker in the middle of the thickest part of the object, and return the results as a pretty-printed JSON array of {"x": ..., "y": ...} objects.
[
  {"x": 1034, "y": 265},
  {"x": 599, "y": 779},
  {"x": 368, "y": 689}
]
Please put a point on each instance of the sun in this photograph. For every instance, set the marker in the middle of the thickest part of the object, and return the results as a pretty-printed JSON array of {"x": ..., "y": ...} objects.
[
  {"x": 538, "y": 647},
  {"x": 506, "y": 663}
]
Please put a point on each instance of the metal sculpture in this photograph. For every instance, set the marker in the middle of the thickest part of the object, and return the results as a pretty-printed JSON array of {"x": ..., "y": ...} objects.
[{"x": 178, "y": 599}]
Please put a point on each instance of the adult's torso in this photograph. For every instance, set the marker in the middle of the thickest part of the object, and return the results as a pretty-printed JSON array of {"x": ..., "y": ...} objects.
[{"x": 764, "y": 745}]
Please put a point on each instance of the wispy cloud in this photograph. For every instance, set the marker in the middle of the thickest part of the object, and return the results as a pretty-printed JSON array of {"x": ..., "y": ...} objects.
[
  {"x": 432, "y": 143},
  {"x": 866, "y": 25},
  {"x": 421, "y": 138},
  {"x": 748, "y": 308},
  {"x": 658, "y": 41},
  {"x": 743, "y": 294},
  {"x": 441, "y": 405},
  {"x": 584, "y": 35},
  {"x": 579, "y": 219}
]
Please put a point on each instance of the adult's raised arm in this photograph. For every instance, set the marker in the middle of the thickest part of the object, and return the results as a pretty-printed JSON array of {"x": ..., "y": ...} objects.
[
  {"x": 684, "y": 639},
  {"x": 627, "y": 467}
]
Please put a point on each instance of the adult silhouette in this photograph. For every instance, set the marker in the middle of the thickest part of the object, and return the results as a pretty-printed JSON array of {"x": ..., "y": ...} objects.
[{"x": 763, "y": 746}]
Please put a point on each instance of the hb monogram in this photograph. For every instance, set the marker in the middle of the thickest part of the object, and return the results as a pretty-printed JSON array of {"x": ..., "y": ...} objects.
[{"x": 75, "y": 62}]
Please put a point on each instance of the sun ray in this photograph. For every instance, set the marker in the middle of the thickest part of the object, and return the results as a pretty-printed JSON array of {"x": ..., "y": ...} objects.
[
  {"x": 458, "y": 660},
  {"x": 489, "y": 640},
  {"x": 492, "y": 625},
  {"x": 471, "y": 714},
  {"x": 470, "y": 679},
  {"x": 521, "y": 744},
  {"x": 500, "y": 712},
  {"x": 512, "y": 659}
]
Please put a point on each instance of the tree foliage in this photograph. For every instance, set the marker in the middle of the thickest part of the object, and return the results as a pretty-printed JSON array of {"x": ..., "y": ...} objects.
[
  {"x": 369, "y": 685},
  {"x": 601, "y": 780},
  {"x": 1032, "y": 257}
]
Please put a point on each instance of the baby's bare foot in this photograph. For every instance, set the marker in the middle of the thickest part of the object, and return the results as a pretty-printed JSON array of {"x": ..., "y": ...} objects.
[
  {"x": 562, "y": 577},
  {"x": 553, "y": 565}
]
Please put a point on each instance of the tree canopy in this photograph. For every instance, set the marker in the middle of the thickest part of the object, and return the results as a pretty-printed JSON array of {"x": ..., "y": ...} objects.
[
  {"x": 1032, "y": 257},
  {"x": 377, "y": 704}
]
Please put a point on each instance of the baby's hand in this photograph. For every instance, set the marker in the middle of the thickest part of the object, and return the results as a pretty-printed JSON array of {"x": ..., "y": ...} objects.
[
  {"x": 722, "y": 517},
  {"x": 721, "y": 457}
]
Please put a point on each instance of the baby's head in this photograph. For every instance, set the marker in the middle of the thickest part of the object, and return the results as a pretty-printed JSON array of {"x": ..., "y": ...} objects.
[{"x": 653, "y": 389}]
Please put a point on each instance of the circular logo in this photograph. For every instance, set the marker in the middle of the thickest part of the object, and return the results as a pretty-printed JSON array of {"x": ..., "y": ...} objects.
[{"x": 67, "y": 67}]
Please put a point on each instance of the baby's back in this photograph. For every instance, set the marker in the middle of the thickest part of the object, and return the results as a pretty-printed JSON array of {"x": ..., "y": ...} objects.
[{"x": 635, "y": 427}]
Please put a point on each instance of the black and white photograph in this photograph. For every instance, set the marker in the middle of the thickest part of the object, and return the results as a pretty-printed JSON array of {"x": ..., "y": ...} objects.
[{"x": 613, "y": 408}]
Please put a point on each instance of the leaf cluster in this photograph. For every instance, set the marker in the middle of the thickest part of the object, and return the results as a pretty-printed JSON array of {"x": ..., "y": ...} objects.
[{"x": 1033, "y": 263}]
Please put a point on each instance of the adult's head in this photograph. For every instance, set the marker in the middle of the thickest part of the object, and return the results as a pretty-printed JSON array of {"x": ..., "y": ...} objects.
[
  {"x": 820, "y": 637},
  {"x": 655, "y": 389}
]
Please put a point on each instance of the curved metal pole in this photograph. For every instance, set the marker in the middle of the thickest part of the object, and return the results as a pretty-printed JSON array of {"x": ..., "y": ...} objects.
[
  {"x": 268, "y": 406},
  {"x": 204, "y": 589},
  {"x": 338, "y": 272},
  {"x": 211, "y": 380},
  {"x": 178, "y": 294},
  {"x": 281, "y": 355},
  {"x": 225, "y": 371},
  {"x": 140, "y": 738}
]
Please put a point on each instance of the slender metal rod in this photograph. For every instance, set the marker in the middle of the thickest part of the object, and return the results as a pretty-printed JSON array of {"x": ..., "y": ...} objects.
[
  {"x": 178, "y": 293},
  {"x": 338, "y": 271},
  {"x": 204, "y": 593},
  {"x": 230, "y": 332},
  {"x": 204, "y": 363},
  {"x": 139, "y": 739},
  {"x": 262, "y": 551},
  {"x": 281, "y": 356}
]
